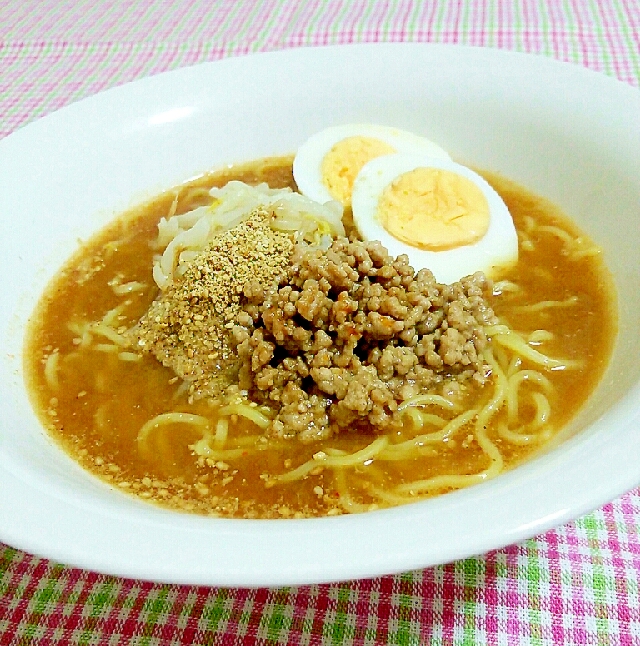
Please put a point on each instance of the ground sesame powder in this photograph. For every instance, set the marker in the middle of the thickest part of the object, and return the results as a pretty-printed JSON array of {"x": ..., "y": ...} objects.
[{"x": 188, "y": 327}]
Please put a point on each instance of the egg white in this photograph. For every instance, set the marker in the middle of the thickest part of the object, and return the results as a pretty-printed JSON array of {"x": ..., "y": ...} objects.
[
  {"x": 308, "y": 160},
  {"x": 497, "y": 248}
]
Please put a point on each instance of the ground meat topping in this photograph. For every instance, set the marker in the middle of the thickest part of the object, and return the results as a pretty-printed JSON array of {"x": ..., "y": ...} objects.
[
  {"x": 188, "y": 328},
  {"x": 351, "y": 334},
  {"x": 330, "y": 340}
]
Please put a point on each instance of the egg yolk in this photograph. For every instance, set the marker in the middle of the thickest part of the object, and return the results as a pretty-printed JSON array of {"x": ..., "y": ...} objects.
[
  {"x": 343, "y": 162},
  {"x": 434, "y": 209}
]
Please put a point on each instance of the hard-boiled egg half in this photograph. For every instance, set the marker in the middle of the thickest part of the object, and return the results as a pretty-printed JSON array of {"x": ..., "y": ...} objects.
[
  {"x": 327, "y": 164},
  {"x": 441, "y": 214}
]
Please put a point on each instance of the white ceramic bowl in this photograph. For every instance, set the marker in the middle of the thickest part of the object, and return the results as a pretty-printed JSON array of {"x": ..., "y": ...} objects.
[{"x": 560, "y": 130}]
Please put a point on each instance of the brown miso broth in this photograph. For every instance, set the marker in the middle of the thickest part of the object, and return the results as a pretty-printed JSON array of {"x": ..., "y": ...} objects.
[{"x": 101, "y": 397}]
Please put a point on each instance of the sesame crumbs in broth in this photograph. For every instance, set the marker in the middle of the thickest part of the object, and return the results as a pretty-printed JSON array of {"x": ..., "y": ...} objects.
[
  {"x": 94, "y": 396},
  {"x": 188, "y": 328}
]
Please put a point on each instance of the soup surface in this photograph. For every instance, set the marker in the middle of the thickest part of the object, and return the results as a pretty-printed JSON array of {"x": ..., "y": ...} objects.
[{"x": 130, "y": 421}]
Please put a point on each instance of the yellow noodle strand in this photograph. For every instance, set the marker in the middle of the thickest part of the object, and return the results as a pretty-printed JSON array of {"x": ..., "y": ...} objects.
[
  {"x": 455, "y": 481},
  {"x": 296, "y": 474},
  {"x": 514, "y": 365},
  {"x": 515, "y": 436},
  {"x": 492, "y": 330},
  {"x": 539, "y": 336},
  {"x": 247, "y": 411},
  {"x": 129, "y": 356},
  {"x": 438, "y": 436},
  {"x": 506, "y": 286},
  {"x": 51, "y": 368},
  {"x": 416, "y": 418},
  {"x": 512, "y": 341},
  {"x": 546, "y": 305},
  {"x": 565, "y": 236},
  {"x": 429, "y": 418},
  {"x": 222, "y": 431},
  {"x": 170, "y": 418},
  {"x": 440, "y": 482},
  {"x": 428, "y": 400},
  {"x": 128, "y": 288},
  {"x": 514, "y": 384},
  {"x": 499, "y": 395},
  {"x": 111, "y": 317},
  {"x": 181, "y": 390},
  {"x": 491, "y": 451},
  {"x": 174, "y": 206},
  {"x": 530, "y": 433},
  {"x": 353, "y": 459},
  {"x": 100, "y": 329},
  {"x": 576, "y": 254},
  {"x": 345, "y": 500},
  {"x": 391, "y": 454},
  {"x": 105, "y": 347},
  {"x": 421, "y": 419},
  {"x": 543, "y": 409},
  {"x": 322, "y": 459}
]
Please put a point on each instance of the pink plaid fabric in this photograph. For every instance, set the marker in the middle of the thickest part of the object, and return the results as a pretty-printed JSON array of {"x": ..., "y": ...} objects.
[{"x": 575, "y": 585}]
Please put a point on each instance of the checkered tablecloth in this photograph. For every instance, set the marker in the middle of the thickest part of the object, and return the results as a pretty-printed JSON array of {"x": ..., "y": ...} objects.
[{"x": 576, "y": 585}]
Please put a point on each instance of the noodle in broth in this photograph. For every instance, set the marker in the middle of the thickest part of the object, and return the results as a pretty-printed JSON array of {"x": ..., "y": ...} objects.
[{"x": 135, "y": 424}]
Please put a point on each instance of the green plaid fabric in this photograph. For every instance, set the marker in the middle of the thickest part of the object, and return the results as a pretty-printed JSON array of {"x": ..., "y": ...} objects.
[{"x": 576, "y": 585}]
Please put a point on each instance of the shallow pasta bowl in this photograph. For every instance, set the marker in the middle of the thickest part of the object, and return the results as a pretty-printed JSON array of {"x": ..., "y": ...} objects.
[{"x": 564, "y": 132}]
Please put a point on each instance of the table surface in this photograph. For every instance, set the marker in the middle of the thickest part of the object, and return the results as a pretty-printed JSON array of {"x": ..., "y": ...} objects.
[{"x": 577, "y": 584}]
